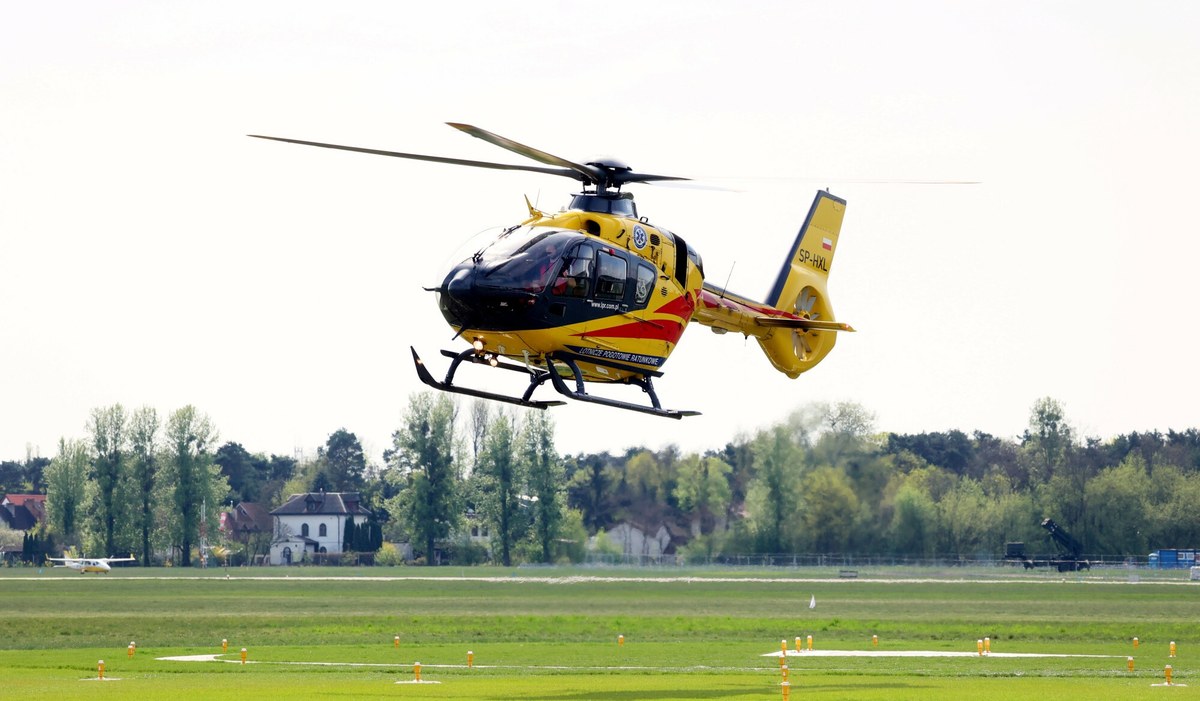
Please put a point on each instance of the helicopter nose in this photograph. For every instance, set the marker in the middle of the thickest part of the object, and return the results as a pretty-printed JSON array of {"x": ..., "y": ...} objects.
[
  {"x": 457, "y": 300},
  {"x": 459, "y": 284}
]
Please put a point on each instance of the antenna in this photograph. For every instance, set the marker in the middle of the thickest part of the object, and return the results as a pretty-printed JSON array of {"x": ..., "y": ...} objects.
[
  {"x": 204, "y": 533},
  {"x": 728, "y": 278}
]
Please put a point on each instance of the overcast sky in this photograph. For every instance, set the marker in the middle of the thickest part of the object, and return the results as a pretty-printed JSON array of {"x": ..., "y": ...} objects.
[{"x": 151, "y": 254}]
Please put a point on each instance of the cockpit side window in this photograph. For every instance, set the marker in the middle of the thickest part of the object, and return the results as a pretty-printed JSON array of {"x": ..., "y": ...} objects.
[
  {"x": 612, "y": 272},
  {"x": 575, "y": 277},
  {"x": 644, "y": 284}
]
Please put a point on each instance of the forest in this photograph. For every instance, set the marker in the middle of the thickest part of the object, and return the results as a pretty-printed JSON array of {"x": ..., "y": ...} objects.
[{"x": 822, "y": 480}]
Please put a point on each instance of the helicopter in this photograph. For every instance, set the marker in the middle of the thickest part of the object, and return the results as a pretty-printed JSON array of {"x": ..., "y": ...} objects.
[{"x": 597, "y": 294}]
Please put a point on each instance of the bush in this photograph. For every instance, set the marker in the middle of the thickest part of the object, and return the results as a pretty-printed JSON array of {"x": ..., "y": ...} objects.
[
  {"x": 464, "y": 552},
  {"x": 702, "y": 549},
  {"x": 389, "y": 556},
  {"x": 603, "y": 545}
]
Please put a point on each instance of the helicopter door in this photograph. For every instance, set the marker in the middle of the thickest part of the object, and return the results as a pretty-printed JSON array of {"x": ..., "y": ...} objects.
[
  {"x": 612, "y": 275},
  {"x": 643, "y": 285}
]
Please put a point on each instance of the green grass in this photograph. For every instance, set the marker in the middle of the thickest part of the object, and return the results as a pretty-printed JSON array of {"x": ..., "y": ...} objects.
[{"x": 552, "y": 633}]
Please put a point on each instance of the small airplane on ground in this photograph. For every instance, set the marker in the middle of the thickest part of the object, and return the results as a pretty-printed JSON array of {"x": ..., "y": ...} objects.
[{"x": 90, "y": 564}]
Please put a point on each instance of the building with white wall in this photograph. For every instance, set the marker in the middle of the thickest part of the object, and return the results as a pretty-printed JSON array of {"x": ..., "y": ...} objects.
[{"x": 312, "y": 523}]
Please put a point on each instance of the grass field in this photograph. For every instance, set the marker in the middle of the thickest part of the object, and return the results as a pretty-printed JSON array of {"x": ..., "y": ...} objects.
[{"x": 553, "y": 633}]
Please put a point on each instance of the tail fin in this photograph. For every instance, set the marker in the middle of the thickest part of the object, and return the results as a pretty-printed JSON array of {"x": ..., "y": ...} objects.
[{"x": 801, "y": 289}]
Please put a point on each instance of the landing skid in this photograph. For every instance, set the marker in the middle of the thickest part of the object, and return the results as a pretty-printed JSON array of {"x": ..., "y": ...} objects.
[{"x": 536, "y": 379}]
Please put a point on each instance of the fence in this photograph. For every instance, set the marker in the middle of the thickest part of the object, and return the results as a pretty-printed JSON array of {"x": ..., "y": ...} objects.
[{"x": 836, "y": 561}]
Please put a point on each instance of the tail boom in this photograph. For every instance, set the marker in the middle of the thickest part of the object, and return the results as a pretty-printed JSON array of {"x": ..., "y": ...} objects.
[{"x": 795, "y": 327}]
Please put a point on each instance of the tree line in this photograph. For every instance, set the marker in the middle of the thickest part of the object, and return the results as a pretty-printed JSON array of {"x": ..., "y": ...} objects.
[
  {"x": 824, "y": 480},
  {"x": 821, "y": 480},
  {"x": 135, "y": 485}
]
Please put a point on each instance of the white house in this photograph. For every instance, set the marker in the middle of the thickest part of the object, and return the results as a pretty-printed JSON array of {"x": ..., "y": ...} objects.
[
  {"x": 313, "y": 523},
  {"x": 643, "y": 544}
]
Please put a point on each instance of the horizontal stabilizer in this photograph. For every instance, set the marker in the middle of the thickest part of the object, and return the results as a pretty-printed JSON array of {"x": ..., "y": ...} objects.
[{"x": 806, "y": 324}]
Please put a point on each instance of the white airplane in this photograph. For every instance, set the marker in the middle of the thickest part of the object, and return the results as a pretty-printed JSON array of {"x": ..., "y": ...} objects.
[{"x": 90, "y": 564}]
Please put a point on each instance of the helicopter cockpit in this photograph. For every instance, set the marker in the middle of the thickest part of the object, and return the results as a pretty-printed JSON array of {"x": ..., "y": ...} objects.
[
  {"x": 524, "y": 258},
  {"x": 531, "y": 276}
]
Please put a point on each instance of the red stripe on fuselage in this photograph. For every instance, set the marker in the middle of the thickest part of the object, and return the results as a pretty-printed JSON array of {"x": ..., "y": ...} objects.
[
  {"x": 713, "y": 301},
  {"x": 680, "y": 306},
  {"x": 651, "y": 330}
]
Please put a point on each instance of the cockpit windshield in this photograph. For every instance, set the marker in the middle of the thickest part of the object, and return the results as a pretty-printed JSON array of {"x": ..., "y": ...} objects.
[
  {"x": 509, "y": 243},
  {"x": 525, "y": 258}
]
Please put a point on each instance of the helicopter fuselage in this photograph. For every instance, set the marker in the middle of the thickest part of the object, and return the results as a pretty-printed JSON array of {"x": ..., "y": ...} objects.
[
  {"x": 596, "y": 293},
  {"x": 608, "y": 290}
]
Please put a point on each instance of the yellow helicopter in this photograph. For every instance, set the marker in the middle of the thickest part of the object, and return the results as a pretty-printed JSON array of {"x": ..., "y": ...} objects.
[{"x": 596, "y": 293}]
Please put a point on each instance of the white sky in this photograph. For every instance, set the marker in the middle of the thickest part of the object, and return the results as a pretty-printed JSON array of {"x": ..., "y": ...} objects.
[{"x": 151, "y": 254}]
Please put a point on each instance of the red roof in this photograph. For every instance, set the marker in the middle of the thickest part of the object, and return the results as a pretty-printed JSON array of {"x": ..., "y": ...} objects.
[
  {"x": 21, "y": 499},
  {"x": 23, "y": 511}
]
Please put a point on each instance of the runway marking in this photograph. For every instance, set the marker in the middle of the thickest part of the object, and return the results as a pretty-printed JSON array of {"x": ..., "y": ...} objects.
[
  {"x": 920, "y": 653},
  {"x": 217, "y": 657}
]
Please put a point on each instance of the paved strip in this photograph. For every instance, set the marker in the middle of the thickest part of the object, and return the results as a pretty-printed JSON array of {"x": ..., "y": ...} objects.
[
  {"x": 919, "y": 653},
  {"x": 635, "y": 580}
]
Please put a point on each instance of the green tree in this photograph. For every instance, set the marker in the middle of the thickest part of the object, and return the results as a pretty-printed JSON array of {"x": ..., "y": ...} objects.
[
  {"x": 194, "y": 479},
  {"x": 1018, "y": 518},
  {"x": 1048, "y": 439},
  {"x": 500, "y": 478},
  {"x": 245, "y": 472},
  {"x": 348, "y": 535},
  {"x": 277, "y": 471},
  {"x": 963, "y": 518},
  {"x": 109, "y": 440},
  {"x": 66, "y": 478},
  {"x": 773, "y": 498},
  {"x": 830, "y": 507},
  {"x": 422, "y": 461},
  {"x": 590, "y": 488},
  {"x": 479, "y": 420},
  {"x": 1172, "y": 520},
  {"x": 306, "y": 476},
  {"x": 702, "y": 491},
  {"x": 343, "y": 462},
  {"x": 647, "y": 476},
  {"x": 914, "y": 524},
  {"x": 847, "y": 426},
  {"x": 12, "y": 477},
  {"x": 544, "y": 472},
  {"x": 143, "y": 470},
  {"x": 1120, "y": 509}
]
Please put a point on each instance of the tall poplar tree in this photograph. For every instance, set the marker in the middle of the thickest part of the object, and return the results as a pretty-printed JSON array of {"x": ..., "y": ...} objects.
[
  {"x": 66, "y": 478},
  {"x": 422, "y": 462},
  {"x": 773, "y": 497},
  {"x": 193, "y": 478},
  {"x": 143, "y": 469},
  {"x": 107, "y": 429},
  {"x": 500, "y": 479},
  {"x": 544, "y": 472}
]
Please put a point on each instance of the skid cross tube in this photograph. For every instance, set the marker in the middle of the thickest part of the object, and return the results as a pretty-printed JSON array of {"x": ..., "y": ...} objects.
[
  {"x": 580, "y": 394},
  {"x": 536, "y": 378}
]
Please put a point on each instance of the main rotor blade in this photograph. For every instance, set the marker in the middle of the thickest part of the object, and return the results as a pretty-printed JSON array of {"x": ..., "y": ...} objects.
[
  {"x": 837, "y": 181},
  {"x": 592, "y": 174},
  {"x": 436, "y": 159}
]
